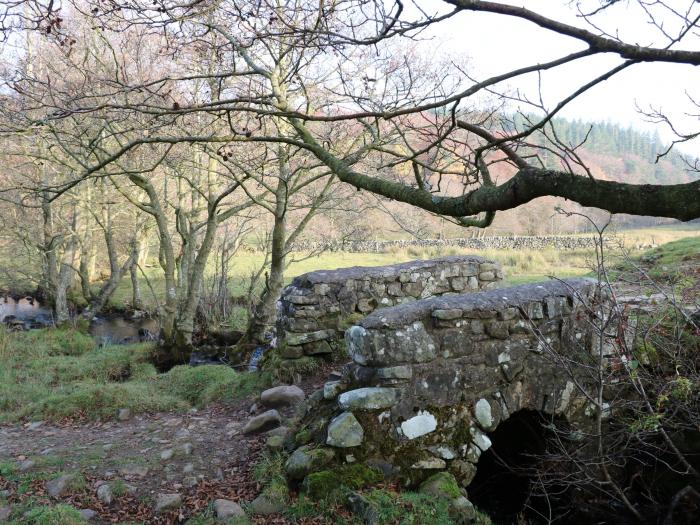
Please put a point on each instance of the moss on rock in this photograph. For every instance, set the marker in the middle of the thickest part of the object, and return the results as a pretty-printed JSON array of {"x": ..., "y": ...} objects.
[{"x": 441, "y": 485}]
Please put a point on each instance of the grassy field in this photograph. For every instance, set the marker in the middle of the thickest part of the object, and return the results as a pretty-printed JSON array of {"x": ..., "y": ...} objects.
[{"x": 521, "y": 266}]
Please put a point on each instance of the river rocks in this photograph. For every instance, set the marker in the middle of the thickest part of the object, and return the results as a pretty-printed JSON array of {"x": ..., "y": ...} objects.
[
  {"x": 419, "y": 425},
  {"x": 283, "y": 395},
  {"x": 124, "y": 414},
  {"x": 261, "y": 423},
  {"x": 345, "y": 431},
  {"x": 368, "y": 398},
  {"x": 165, "y": 502},
  {"x": 306, "y": 459},
  {"x": 167, "y": 454},
  {"x": 226, "y": 509}
]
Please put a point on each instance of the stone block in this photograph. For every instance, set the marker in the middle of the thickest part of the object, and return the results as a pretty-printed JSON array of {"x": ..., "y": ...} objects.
[
  {"x": 345, "y": 431},
  {"x": 394, "y": 289},
  {"x": 369, "y": 398},
  {"x": 296, "y": 339},
  {"x": 446, "y": 315},
  {"x": 317, "y": 348},
  {"x": 291, "y": 352}
]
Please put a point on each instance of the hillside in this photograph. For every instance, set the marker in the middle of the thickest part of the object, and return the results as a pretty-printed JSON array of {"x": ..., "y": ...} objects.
[{"x": 611, "y": 152}]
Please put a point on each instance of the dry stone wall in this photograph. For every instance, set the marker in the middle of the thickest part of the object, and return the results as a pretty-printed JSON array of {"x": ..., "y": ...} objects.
[
  {"x": 429, "y": 380},
  {"x": 503, "y": 242},
  {"x": 317, "y": 307}
]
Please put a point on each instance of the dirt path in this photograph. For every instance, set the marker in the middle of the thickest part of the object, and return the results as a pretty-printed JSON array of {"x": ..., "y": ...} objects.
[{"x": 200, "y": 455}]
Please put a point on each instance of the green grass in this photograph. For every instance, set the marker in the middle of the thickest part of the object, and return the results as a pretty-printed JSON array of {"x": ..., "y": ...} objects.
[{"x": 59, "y": 373}]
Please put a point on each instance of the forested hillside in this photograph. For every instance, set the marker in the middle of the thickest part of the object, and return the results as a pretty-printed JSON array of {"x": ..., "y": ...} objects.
[{"x": 609, "y": 150}]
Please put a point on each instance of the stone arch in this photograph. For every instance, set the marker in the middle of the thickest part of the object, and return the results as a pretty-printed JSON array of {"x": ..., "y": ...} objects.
[{"x": 429, "y": 380}]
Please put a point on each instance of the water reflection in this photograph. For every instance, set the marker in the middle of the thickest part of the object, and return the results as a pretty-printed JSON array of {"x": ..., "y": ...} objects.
[{"x": 27, "y": 313}]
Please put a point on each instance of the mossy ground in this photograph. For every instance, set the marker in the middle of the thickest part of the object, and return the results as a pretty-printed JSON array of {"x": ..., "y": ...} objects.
[{"x": 60, "y": 373}]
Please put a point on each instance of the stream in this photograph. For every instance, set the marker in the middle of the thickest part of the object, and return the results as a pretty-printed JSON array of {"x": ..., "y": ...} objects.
[{"x": 27, "y": 313}]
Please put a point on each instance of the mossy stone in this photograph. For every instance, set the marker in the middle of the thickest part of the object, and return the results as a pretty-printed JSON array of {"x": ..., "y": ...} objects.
[{"x": 441, "y": 485}]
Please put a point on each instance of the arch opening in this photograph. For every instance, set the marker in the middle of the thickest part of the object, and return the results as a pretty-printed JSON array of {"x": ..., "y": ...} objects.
[{"x": 505, "y": 485}]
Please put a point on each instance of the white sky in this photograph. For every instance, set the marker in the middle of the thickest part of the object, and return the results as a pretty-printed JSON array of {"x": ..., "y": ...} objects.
[{"x": 496, "y": 44}]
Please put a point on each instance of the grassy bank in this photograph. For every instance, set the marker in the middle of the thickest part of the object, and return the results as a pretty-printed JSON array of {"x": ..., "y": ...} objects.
[{"x": 57, "y": 374}]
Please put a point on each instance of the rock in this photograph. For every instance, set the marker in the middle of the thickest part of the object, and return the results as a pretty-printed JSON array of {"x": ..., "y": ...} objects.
[
  {"x": 395, "y": 372},
  {"x": 429, "y": 464},
  {"x": 124, "y": 414},
  {"x": 464, "y": 471},
  {"x": 362, "y": 508},
  {"x": 26, "y": 465},
  {"x": 462, "y": 511},
  {"x": 283, "y": 395},
  {"x": 60, "y": 486},
  {"x": 318, "y": 348},
  {"x": 275, "y": 443},
  {"x": 104, "y": 494},
  {"x": 482, "y": 412},
  {"x": 481, "y": 440},
  {"x": 370, "y": 398},
  {"x": 440, "y": 485},
  {"x": 265, "y": 505},
  {"x": 497, "y": 329},
  {"x": 226, "y": 509},
  {"x": 309, "y": 337},
  {"x": 189, "y": 481},
  {"x": 288, "y": 351},
  {"x": 447, "y": 315},
  {"x": 165, "y": 502},
  {"x": 419, "y": 425},
  {"x": 279, "y": 431},
  {"x": 5, "y": 513},
  {"x": 133, "y": 471},
  {"x": 345, "y": 431},
  {"x": 186, "y": 449},
  {"x": 306, "y": 459},
  {"x": 263, "y": 422},
  {"x": 331, "y": 389},
  {"x": 167, "y": 454},
  {"x": 35, "y": 425},
  {"x": 188, "y": 468},
  {"x": 88, "y": 514}
]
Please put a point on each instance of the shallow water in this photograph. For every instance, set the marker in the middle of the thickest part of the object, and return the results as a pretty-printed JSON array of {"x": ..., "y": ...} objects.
[
  {"x": 119, "y": 330},
  {"x": 27, "y": 313}
]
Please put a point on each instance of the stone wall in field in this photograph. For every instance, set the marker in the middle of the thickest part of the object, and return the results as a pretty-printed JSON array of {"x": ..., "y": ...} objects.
[
  {"x": 316, "y": 308},
  {"x": 429, "y": 380},
  {"x": 514, "y": 242}
]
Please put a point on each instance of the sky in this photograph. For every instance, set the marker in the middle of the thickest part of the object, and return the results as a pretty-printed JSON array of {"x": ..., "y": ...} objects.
[{"x": 495, "y": 44}]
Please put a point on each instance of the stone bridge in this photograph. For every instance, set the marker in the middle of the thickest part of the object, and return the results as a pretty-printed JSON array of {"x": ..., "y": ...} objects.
[
  {"x": 317, "y": 307},
  {"x": 431, "y": 380}
]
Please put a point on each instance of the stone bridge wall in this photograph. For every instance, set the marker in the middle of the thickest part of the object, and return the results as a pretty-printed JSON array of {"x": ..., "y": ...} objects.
[
  {"x": 317, "y": 307},
  {"x": 429, "y": 380}
]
